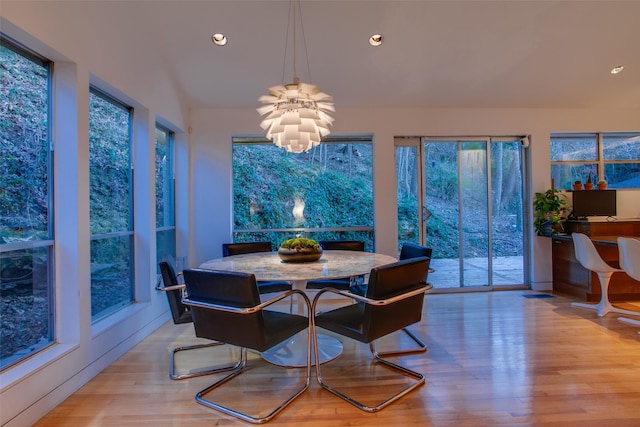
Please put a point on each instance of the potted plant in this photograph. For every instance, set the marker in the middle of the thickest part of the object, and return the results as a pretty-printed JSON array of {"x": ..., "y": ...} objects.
[
  {"x": 589, "y": 184},
  {"x": 549, "y": 212},
  {"x": 300, "y": 250},
  {"x": 602, "y": 184},
  {"x": 577, "y": 185}
]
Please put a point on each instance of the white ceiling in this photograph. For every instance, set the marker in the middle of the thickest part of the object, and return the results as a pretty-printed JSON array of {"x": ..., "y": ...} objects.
[{"x": 475, "y": 54}]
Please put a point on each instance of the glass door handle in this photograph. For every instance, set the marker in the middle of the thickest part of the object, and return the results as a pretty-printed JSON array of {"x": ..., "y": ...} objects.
[{"x": 426, "y": 213}]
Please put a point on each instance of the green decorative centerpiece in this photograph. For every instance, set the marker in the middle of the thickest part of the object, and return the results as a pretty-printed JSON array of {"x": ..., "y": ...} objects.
[{"x": 300, "y": 250}]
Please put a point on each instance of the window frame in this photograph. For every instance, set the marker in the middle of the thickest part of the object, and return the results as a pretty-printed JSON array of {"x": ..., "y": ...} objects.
[
  {"x": 171, "y": 225},
  {"x": 599, "y": 163},
  {"x": 276, "y": 235},
  {"x": 6, "y": 248},
  {"x": 130, "y": 232}
]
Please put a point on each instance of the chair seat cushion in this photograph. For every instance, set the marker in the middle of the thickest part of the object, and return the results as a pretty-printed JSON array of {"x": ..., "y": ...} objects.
[
  {"x": 275, "y": 286},
  {"x": 280, "y": 326},
  {"x": 344, "y": 284},
  {"x": 340, "y": 284},
  {"x": 241, "y": 329},
  {"x": 350, "y": 320},
  {"x": 345, "y": 321}
]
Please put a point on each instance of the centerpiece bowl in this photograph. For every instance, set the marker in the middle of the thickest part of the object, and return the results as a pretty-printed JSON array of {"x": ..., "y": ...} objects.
[{"x": 300, "y": 250}]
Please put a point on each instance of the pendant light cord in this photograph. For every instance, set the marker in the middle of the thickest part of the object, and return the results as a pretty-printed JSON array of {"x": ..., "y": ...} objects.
[
  {"x": 286, "y": 42},
  {"x": 295, "y": 71},
  {"x": 304, "y": 41},
  {"x": 293, "y": 15}
]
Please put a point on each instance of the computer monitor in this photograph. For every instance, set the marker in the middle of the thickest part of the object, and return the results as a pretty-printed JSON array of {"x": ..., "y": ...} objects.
[{"x": 594, "y": 203}]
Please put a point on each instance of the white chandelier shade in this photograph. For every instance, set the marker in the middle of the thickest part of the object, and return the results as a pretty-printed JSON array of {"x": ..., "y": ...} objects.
[{"x": 296, "y": 115}]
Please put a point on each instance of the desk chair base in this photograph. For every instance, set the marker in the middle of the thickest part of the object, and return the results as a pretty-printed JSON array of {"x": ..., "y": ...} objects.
[
  {"x": 630, "y": 321},
  {"x": 246, "y": 417},
  {"x": 420, "y": 379},
  {"x": 604, "y": 306},
  {"x": 175, "y": 376}
]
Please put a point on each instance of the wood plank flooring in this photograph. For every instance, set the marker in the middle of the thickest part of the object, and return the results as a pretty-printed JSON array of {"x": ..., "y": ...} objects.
[{"x": 494, "y": 358}]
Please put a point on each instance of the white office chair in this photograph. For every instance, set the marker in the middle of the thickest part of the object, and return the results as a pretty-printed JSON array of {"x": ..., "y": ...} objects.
[
  {"x": 629, "y": 250},
  {"x": 589, "y": 258}
]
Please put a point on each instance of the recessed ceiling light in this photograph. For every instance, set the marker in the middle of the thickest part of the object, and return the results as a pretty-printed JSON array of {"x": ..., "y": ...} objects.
[
  {"x": 616, "y": 70},
  {"x": 219, "y": 39},
  {"x": 375, "y": 40}
]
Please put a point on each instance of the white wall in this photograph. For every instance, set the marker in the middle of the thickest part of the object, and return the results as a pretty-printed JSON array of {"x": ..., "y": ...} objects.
[
  {"x": 32, "y": 388},
  {"x": 211, "y": 161}
]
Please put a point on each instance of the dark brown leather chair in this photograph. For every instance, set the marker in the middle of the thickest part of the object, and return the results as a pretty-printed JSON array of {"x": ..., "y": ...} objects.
[
  {"x": 264, "y": 287},
  {"x": 394, "y": 300},
  {"x": 411, "y": 250},
  {"x": 226, "y": 308},
  {"x": 407, "y": 251},
  {"x": 346, "y": 283},
  {"x": 181, "y": 314}
]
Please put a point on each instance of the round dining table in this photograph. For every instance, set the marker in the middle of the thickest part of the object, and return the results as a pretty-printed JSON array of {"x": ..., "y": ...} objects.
[{"x": 267, "y": 266}]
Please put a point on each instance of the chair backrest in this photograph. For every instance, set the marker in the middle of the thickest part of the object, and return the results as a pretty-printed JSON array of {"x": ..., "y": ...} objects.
[
  {"x": 411, "y": 250},
  {"x": 178, "y": 310},
  {"x": 629, "y": 251},
  {"x": 229, "y": 289},
  {"x": 229, "y": 249},
  {"x": 587, "y": 255},
  {"x": 388, "y": 281},
  {"x": 342, "y": 245}
]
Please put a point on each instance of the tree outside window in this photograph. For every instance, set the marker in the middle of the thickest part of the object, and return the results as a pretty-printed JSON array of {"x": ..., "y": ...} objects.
[{"x": 324, "y": 194}]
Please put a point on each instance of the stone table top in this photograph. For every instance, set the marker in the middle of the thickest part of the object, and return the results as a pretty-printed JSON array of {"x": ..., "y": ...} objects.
[{"x": 268, "y": 266}]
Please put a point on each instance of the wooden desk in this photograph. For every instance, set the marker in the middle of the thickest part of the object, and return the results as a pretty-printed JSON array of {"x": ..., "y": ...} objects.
[{"x": 571, "y": 278}]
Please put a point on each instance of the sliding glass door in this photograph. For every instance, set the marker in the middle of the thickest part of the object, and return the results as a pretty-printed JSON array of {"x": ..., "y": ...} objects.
[{"x": 463, "y": 198}]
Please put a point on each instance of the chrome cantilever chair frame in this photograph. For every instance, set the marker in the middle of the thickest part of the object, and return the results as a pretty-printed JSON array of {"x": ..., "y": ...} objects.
[
  {"x": 408, "y": 251},
  {"x": 179, "y": 318},
  {"x": 589, "y": 258},
  {"x": 361, "y": 336},
  {"x": 172, "y": 364},
  {"x": 629, "y": 250},
  {"x": 243, "y": 360},
  {"x": 378, "y": 356}
]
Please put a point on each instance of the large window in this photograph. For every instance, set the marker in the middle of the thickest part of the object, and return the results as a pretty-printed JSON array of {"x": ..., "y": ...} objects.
[
  {"x": 26, "y": 208},
  {"x": 165, "y": 201},
  {"x": 326, "y": 193},
  {"x": 463, "y": 197},
  {"x": 613, "y": 157},
  {"x": 111, "y": 205}
]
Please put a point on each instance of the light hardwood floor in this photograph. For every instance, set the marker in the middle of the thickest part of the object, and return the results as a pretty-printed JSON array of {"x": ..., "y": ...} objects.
[{"x": 494, "y": 359}]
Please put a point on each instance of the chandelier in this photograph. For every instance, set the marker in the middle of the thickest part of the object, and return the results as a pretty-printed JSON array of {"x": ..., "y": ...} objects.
[{"x": 297, "y": 115}]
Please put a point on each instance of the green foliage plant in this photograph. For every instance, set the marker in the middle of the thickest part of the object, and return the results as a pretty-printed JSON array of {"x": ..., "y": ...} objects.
[
  {"x": 300, "y": 243},
  {"x": 549, "y": 209}
]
